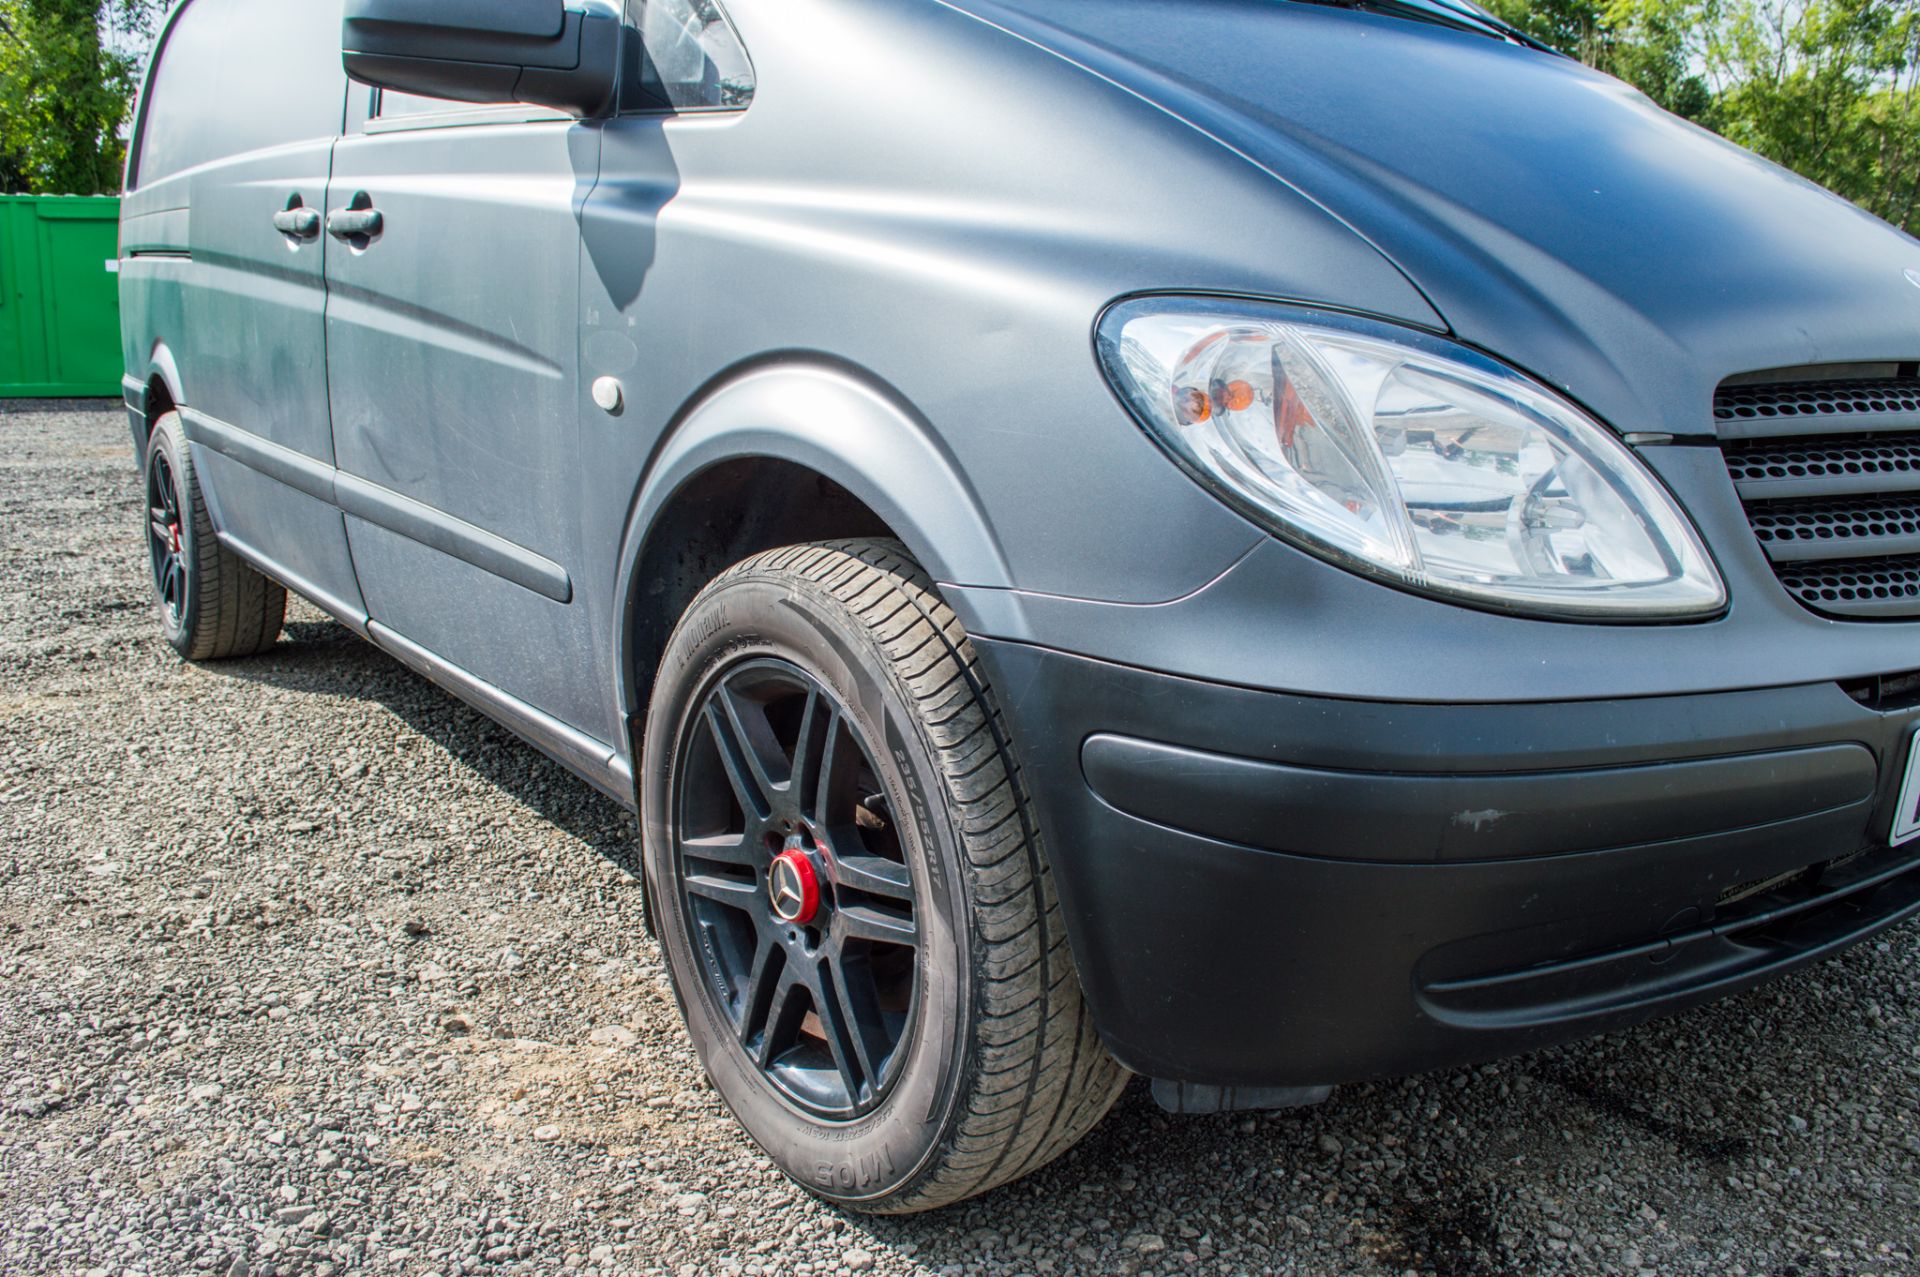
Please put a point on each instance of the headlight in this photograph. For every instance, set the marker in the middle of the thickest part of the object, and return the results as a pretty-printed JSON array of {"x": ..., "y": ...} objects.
[{"x": 1408, "y": 458}]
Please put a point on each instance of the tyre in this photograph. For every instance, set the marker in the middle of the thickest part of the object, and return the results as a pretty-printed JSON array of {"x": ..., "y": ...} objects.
[
  {"x": 212, "y": 605},
  {"x": 851, "y": 892}
]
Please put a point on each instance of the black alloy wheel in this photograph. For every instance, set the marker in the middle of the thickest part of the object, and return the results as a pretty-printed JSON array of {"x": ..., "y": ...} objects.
[
  {"x": 797, "y": 888},
  {"x": 212, "y": 604},
  {"x": 850, "y": 890},
  {"x": 165, "y": 542}
]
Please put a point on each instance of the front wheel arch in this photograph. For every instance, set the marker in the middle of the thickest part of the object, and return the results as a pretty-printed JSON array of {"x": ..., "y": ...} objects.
[{"x": 780, "y": 454}]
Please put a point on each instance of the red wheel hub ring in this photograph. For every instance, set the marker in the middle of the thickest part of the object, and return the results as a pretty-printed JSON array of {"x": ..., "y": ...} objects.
[{"x": 793, "y": 887}]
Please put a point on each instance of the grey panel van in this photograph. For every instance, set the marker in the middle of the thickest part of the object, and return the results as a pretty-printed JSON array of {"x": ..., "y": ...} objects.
[{"x": 1255, "y": 543}]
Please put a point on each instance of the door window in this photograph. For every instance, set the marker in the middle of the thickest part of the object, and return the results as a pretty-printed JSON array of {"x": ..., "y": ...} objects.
[
  {"x": 389, "y": 110},
  {"x": 683, "y": 55},
  {"x": 389, "y": 104}
]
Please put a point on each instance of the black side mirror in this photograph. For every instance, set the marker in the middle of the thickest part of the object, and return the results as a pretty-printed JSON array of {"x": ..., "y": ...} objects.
[{"x": 535, "y": 51}]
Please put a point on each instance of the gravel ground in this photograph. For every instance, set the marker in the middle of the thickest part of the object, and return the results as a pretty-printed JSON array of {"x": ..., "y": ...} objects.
[{"x": 307, "y": 968}]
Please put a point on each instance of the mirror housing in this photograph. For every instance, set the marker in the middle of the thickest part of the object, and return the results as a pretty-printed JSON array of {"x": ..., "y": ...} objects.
[{"x": 540, "y": 52}]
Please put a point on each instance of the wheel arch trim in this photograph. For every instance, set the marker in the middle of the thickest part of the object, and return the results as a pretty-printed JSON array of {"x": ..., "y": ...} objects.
[
  {"x": 136, "y": 392},
  {"x": 828, "y": 418},
  {"x": 162, "y": 367}
]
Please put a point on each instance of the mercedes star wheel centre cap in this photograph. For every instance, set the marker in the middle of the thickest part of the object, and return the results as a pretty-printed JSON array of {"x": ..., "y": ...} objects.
[{"x": 793, "y": 886}]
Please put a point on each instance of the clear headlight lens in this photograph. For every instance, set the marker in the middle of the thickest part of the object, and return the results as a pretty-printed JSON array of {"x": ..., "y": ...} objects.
[{"x": 1409, "y": 458}]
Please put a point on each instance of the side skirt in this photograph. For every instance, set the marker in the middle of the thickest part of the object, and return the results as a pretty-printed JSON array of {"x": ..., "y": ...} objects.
[
  {"x": 593, "y": 761},
  {"x": 351, "y": 617}
]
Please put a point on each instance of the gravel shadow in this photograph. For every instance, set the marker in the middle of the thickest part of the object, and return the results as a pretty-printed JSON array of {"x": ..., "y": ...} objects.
[{"x": 318, "y": 656}]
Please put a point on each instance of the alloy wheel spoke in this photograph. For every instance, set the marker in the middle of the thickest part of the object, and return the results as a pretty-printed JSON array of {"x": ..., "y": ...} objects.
[
  {"x": 819, "y": 724},
  {"x": 873, "y": 876},
  {"x": 881, "y": 926},
  {"x": 735, "y": 850},
  {"x": 786, "y": 1011},
  {"x": 839, "y": 1032},
  {"x": 745, "y": 895},
  {"x": 752, "y": 759},
  {"x": 825, "y": 771},
  {"x": 851, "y": 990},
  {"x": 763, "y": 982}
]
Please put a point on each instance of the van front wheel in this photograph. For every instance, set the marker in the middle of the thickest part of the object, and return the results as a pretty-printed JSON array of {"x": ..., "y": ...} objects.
[{"x": 852, "y": 895}]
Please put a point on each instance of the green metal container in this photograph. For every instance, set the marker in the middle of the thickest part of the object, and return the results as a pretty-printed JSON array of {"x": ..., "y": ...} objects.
[{"x": 59, "y": 297}]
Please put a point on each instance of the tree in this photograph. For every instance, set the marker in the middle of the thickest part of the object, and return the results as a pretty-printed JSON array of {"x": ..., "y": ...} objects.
[
  {"x": 1828, "y": 88},
  {"x": 1651, "y": 44},
  {"x": 64, "y": 93}
]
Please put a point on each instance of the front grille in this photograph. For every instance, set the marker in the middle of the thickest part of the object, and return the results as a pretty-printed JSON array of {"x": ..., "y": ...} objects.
[
  {"x": 1794, "y": 530},
  {"x": 1858, "y": 587},
  {"x": 1885, "y": 693},
  {"x": 1873, "y": 462},
  {"x": 1759, "y": 887},
  {"x": 1865, "y": 396},
  {"x": 1829, "y": 473}
]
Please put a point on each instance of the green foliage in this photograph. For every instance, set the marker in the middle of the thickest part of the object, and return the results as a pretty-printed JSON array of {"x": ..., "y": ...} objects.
[
  {"x": 64, "y": 95},
  {"x": 1648, "y": 43},
  {"x": 1828, "y": 88}
]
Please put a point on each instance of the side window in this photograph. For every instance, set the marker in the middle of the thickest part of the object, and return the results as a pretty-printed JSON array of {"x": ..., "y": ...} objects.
[
  {"x": 682, "y": 55},
  {"x": 236, "y": 76},
  {"x": 391, "y": 104},
  {"x": 390, "y": 109}
]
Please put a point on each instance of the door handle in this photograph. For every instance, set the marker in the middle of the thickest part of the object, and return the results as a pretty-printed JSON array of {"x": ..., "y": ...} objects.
[
  {"x": 301, "y": 223},
  {"x": 355, "y": 223}
]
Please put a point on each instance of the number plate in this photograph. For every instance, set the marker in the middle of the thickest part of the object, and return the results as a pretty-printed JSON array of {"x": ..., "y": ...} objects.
[{"x": 1906, "y": 817}]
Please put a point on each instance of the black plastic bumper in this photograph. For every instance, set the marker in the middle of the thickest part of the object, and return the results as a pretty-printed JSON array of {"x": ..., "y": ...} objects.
[{"x": 1272, "y": 890}]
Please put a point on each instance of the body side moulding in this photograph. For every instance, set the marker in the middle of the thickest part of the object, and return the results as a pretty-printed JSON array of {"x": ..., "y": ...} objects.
[{"x": 382, "y": 507}]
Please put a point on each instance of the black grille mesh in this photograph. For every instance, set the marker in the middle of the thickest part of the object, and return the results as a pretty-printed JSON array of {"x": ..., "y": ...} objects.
[
  {"x": 1853, "y": 584},
  {"x": 1829, "y": 473},
  {"x": 1823, "y": 458},
  {"x": 1779, "y": 523},
  {"x": 1817, "y": 398}
]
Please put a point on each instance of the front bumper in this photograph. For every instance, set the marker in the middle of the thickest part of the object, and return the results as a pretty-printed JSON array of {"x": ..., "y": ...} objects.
[{"x": 1274, "y": 890}]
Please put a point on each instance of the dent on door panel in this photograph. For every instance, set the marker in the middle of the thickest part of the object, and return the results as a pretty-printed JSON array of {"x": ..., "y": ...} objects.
[{"x": 452, "y": 349}]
